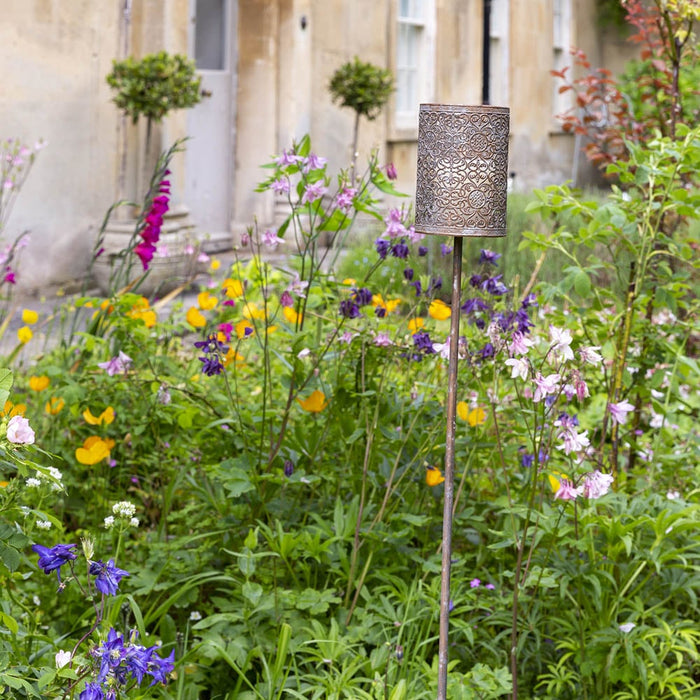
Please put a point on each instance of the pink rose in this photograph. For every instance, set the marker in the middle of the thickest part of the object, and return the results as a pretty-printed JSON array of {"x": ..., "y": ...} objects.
[{"x": 19, "y": 432}]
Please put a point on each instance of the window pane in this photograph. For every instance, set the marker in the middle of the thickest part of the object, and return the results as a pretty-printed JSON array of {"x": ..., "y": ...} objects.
[{"x": 210, "y": 36}]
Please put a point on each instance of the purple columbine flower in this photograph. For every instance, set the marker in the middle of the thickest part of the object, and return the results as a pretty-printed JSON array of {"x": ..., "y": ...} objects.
[
  {"x": 288, "y": 467},
  {"x": 489, "y": 257},
  {"x": 391, "y": 171},
  {"x": 400, "y": 250},
  {"x": 349, "y": 309},
  {"x": 116, "y": 365},
  {"x": 418, "y": 287},
  {"x": 362, "y": 296},
  {"x": 107, "y": 576},
  {"x": 213, "y": 350},
  {"x": 422, "y": 251},
  {"x": 382, "y": 246},
  {"x": 423, "y": 342},
  {"x": 445, "y": 249},
  {"x": 53, "y": 558},
  {"x": 92, "y": 691},
  {"x": 494, "y": 286},
  {"x": 475, "y": 280},
  {"x": 475, "y": 583},
  {"x": 408, "y": 273}
]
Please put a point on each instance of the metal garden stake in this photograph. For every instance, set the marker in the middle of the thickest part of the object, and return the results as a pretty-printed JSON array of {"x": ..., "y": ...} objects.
[{"x": 461, "y": 190}]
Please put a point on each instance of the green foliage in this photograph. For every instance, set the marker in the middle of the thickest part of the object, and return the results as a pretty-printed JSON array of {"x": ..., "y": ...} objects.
[
  {"x": 283, "y": 470},
  {"x": 362, "y": 86},
  {"x": 154, "y": 85}
]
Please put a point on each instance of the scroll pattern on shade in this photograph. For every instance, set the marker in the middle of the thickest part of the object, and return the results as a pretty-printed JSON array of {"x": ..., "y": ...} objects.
[{"x": 462, "y": 173}]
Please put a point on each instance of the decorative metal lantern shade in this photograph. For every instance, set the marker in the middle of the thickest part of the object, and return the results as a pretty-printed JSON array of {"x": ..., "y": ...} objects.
[{"x": 462, "y": 173}]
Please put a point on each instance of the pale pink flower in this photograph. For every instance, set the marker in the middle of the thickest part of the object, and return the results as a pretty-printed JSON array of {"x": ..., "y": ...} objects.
[
  {"x": 271, "y": 239},
  {"x": 443, "y": 349},
  {"x": 619, "y": 411},
  {"x": 596, "y": 484},
  {"x": 520, "y": 344},
  {"x": 287, "y": 158},
  {"x": 313, "y": 162},
  {"x": 280, "y": 186},
  {"x": 313, "y": 192},
  {"x": 545, "y": 385},
  {"x": 19, "y": 432},
  {"x": 567, "y": 491},
  {"x": 382, "y": 340},
  {"x": 519, "y": 367},
  {"x": 573, "y": 441},
  {"x": 590, "y": 355},
  {"x": 347, "y": 337},
  {"x": 394, "y": 225},
  {"x": 344, "y": 199},
  {"x": 413, "y": 236},
  {"x": 117, "y": 365},
  {"x": 561, "y": 342}
]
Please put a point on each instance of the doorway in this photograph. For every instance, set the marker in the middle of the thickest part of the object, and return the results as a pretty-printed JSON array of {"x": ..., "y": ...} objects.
[{"x": 210, "y": 124}]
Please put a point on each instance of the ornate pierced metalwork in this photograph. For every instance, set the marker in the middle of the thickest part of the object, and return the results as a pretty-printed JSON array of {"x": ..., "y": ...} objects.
[{"x": 462, "y": 174}]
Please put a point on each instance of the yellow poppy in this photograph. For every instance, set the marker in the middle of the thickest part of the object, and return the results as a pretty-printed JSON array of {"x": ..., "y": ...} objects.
[
  {"x": 233, "y": 356},
  {"x": 439, "y": 310},
  {"x": 10, "y": 409},
  {"x": 106, "y": 417},
  {"x": 415, "y": 324},
  {"x": 388, "y": 304},
  {"x": 4, "y": 484},
  {"x": 39, "y": 383},
  {"x": 251, "y": 310},
  {"x": 29, "y": 317},
  {"x": 94, "y": 450},
  {"x": 554, "y": 482},
  {"x": 195, "y": 318},
  {"x": 24, "y": 334},
  {"x": 233, "y": 288},
  {"x": 206, "y": 301},
  {"x": 54, "y": 405},
  {"x": 291, "y": 315},
  {"x": 143, "y": 311},
  {"x": 215, "y": 264},
  {"x": 244, "y": 329},
  {"x": 475, "y": 416},
  {"x": 315, "y": 402},
  {"x": 433, "y": 476},
  {"x": 349, "y": 281}
]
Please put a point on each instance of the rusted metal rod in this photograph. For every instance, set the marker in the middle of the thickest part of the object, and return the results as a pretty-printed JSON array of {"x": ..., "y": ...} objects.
[{"x": 443, "y": 652}]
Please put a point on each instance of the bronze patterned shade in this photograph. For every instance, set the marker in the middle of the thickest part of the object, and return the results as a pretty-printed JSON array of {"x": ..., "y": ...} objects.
[{"x": 462, "y": 174}]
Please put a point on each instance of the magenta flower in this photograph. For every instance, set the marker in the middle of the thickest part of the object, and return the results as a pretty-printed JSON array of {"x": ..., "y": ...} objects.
[
  {"x": 619, "y": 411},
  {"x": 19, "y": 432},
  {"x": 313, "y": 192},
  {"x": 391, "y": 171}
]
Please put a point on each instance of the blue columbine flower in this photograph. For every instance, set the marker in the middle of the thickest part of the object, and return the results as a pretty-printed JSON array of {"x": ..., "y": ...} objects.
[
  {"x": 107, "y": 576},
  {"x": 92, "y": 691},
  {"x": 53, "y": 558}
]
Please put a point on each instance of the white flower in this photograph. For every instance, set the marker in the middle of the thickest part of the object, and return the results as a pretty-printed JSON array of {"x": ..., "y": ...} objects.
[
  {"x": 195, "y": 615},
  {"x": 519, "y": 367},
  {"x": 33, "y": 483},
  {"x": 124, "y": 509},
  {"x": 134, "y": 522},
  {"x": 36, "y": 600},
  {"x": 109, "y": 521},
  {"x": 303, "y": 353},
  {"x": 561, "y": 342},
  {"x": 656, "y": 421},
  {"x": 590, "y": 355},
  {"x": 673, "y": 495},
  {"x": 545, "y": 385},
  {"x": 627, "y": 627},
  {"x": 44, "y": 524},
  {"x": 62, "y": 658}
]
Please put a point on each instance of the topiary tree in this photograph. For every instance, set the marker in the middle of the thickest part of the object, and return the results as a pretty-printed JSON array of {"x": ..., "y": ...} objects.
[
  {"x": 154, "y": 86},
  {"x": 363, "y": 87}
]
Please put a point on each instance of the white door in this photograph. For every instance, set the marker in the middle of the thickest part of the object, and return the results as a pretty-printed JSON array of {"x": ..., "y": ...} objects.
[{"x": 209, "y": 154}]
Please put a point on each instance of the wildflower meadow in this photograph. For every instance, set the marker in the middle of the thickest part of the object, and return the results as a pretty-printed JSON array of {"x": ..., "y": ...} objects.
[{"x": 240, "y": 498}]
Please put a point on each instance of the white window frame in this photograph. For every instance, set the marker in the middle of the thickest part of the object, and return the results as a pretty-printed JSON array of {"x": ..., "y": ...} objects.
[
  {"x": 561, "y": 55},
  {"x": 499, "y": 43},
  {"x": 421, "y": 21}
]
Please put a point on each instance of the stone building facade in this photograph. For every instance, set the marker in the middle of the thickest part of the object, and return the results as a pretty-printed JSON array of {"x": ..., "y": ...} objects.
[{"x": 265, "y": 67}]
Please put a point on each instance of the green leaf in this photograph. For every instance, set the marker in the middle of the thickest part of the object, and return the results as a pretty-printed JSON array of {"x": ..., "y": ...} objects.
[
  {"x": 252, "y": 591},
  {"x": 9, "y": 622},
  {"x": 5, "y": 385}
]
